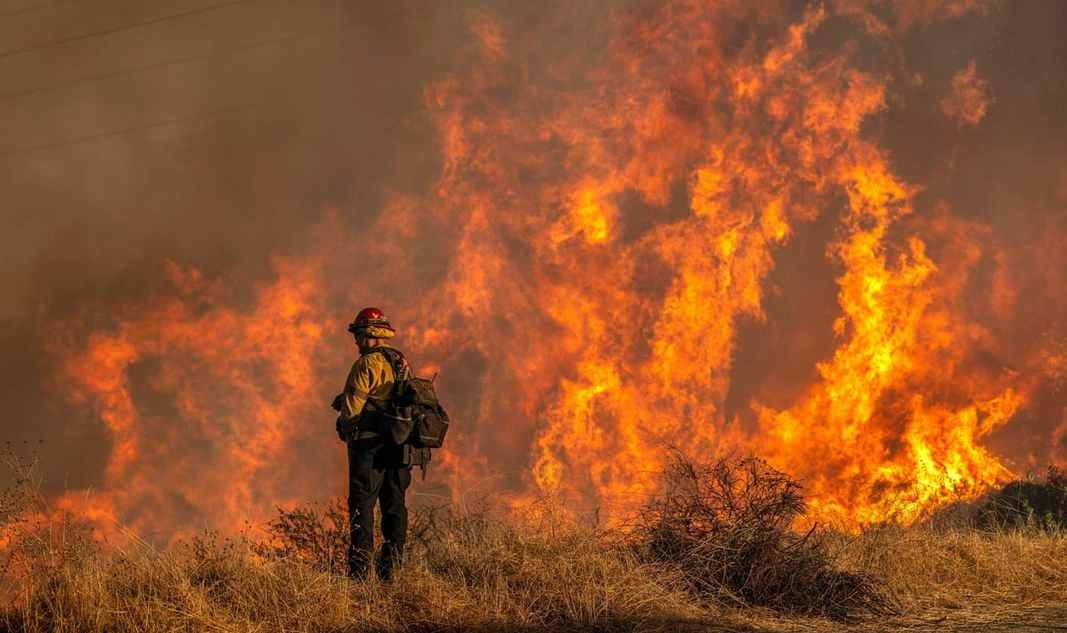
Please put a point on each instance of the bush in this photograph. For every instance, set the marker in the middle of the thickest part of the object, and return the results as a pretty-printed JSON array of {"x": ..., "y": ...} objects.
[
  {"x": 728, "y": 528},
  {"x": 1028, "y": 504},
  {"x": 316, "y": 535}
]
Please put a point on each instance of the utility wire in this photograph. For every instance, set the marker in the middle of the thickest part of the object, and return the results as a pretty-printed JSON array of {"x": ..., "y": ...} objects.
[
  {"x": 118, "y": 29},
  {"x": 197, "y": 115},
  {"x": 187, "y": 118},
  {"x": 172, "y": 62},
  {"x": 197, "y": 57},
  {"x": 136, "y": 128}
]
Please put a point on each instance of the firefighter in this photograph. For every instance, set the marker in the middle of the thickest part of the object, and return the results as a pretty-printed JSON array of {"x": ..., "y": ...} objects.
[{"x": 373, "y": 473}]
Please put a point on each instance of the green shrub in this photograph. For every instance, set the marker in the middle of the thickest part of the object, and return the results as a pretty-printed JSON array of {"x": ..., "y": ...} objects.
[{"x": 1028, "y": 504}]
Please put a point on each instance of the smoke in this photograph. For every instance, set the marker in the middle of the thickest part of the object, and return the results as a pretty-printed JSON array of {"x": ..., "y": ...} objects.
[
  {"x": 537, "y": 196},
  {"x": 212, "y": 140},
  {"x": 970, "y": 97}
]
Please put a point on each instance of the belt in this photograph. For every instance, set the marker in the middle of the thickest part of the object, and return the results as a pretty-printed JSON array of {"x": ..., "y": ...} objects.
[{"x": 369, "y": 426}]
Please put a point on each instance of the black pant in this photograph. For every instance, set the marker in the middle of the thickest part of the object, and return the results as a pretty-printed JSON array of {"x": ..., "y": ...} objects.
[{"x": 371, "y": 478}]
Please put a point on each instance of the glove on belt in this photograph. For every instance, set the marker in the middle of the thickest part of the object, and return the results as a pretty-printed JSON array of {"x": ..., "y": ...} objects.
[{"x": 347, "y": 428}]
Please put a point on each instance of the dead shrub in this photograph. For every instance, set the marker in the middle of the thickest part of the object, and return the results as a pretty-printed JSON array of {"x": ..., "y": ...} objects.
[
  {"x": 316, "y": 535},
  {"x": 728, "y": 528},
  {"x": 36, "y": 541}
]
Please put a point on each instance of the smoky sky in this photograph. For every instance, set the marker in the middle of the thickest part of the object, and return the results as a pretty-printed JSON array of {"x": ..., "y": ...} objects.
[
  {"x": 210, "y": 134},
  {"x": 213, "y": 134}
]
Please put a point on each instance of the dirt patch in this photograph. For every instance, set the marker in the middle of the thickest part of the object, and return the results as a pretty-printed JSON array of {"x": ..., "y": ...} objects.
[{"x": 988, "y": 619}]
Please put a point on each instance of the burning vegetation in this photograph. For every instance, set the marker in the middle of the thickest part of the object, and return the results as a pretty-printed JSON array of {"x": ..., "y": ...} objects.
[
  {"x": 689, "y": 226},
  {"x": 714, "y": 551}
]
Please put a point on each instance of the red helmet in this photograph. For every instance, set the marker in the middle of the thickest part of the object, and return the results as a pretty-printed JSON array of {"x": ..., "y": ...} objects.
[{"x": 370, "y": 317}]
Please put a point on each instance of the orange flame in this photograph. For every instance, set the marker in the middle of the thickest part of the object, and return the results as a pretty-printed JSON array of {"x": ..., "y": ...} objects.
[{"x": 601, "y": 241}]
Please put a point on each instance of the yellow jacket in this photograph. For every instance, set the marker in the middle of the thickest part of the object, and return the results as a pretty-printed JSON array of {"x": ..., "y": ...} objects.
[{"x": 370, "y": 380}]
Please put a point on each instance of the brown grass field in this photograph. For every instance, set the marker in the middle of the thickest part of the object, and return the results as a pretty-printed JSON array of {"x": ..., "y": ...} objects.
[{"x": 535, "y": 571}]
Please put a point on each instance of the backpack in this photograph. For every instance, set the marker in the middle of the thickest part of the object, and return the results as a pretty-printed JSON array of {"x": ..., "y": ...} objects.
[{"x": 413, "y": 416}]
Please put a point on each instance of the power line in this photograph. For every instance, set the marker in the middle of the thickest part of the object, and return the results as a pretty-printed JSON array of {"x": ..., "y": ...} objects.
[
  {"x": 199, "y": 56},
  {"x": 118, "y": 29},
  {"x": 172, "y": 62},
  {"x": 197, "y": 115},
  {"x": 184, "y": 119},
  {"x": 136, "y": 128}
]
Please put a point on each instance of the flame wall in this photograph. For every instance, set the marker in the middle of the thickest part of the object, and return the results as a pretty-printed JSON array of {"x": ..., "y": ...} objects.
[{"x": 711, "y": 225}]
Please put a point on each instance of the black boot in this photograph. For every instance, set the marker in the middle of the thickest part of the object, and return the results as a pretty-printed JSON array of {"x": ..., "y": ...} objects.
[
  {"x": 359, "y": 563},
  {"x": 390, "y": 560}
]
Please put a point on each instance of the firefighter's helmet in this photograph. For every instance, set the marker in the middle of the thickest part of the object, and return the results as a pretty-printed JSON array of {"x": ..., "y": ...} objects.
[{"x": 370, "y": 318}]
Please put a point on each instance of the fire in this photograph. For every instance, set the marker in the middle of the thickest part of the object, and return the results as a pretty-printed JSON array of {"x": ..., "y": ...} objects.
[
  {"x": 213, "y": 424},
  {"x": 869, "y": 402},
  {"x": 603, "y": 240}
]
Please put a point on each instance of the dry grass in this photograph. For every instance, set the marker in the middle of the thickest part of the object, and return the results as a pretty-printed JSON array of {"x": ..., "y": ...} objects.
[
  {"x": 506, "y": 577},
  {"x": 538, "y": 570},
  {"x": 466, "y": 571},
  {"x": 479, "y": 570},
  {"x": 146, "y": 590},
  {"x": 956, "y": 567}
]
